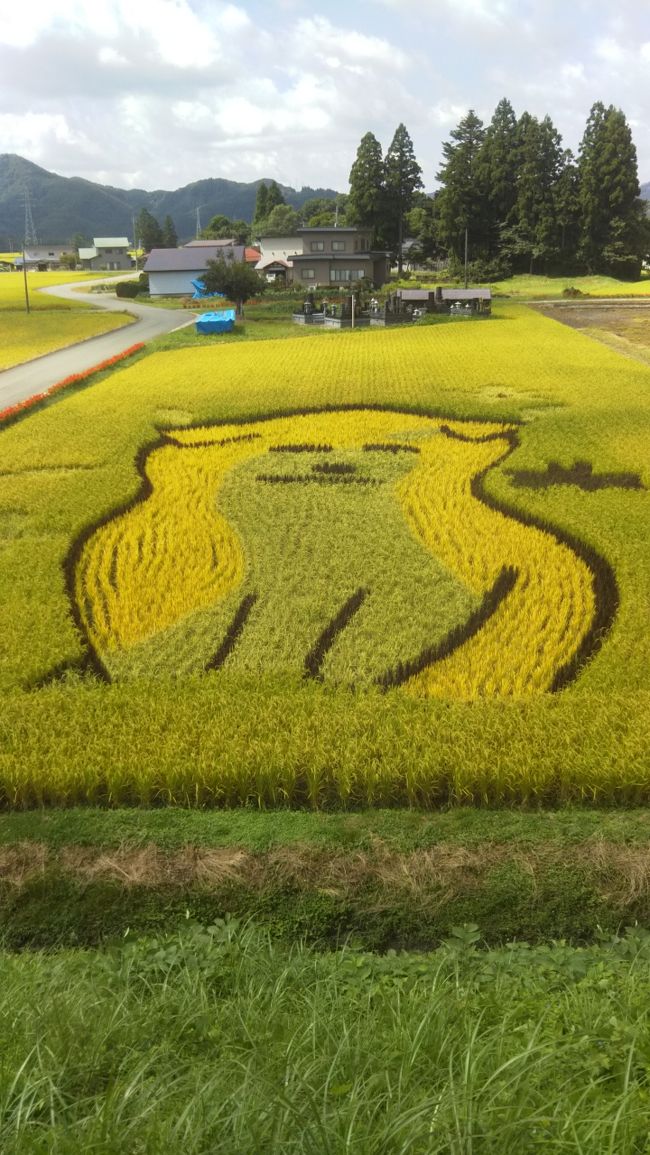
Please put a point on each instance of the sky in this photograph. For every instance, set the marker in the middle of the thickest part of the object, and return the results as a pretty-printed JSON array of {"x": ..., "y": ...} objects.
[{"x": 158, "y": 93}]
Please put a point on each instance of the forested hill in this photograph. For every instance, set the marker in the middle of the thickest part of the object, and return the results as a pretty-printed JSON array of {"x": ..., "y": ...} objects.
[{"x": 63, "y": 206}]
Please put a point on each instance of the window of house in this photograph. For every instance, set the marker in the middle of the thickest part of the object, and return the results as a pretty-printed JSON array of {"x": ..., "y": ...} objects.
[
  {"x": 338, "y": 246},
  {"x": 346, "y": 274},
  {"x": 361, "y": 245},
  {"x": 317, "y": 246},
  {"x": 308, "y": 274}
]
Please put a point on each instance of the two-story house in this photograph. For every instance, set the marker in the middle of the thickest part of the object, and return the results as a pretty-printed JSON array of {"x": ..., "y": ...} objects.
[
  {"x": 337, "y": 256},
  {"x": 106, "y": 253}
]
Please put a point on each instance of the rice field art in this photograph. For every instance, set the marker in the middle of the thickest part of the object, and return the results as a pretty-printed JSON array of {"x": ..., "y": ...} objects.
[
  {"x": 399, "y": 568},
  {"x": 353, "y": 546}
]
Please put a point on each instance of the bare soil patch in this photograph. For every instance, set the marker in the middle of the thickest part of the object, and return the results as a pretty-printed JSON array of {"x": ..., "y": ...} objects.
[{"x": 625, "y": 328}]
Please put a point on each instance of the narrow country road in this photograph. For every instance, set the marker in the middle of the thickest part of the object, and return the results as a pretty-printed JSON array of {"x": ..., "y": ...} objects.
[{"x": 23, "y": 381}]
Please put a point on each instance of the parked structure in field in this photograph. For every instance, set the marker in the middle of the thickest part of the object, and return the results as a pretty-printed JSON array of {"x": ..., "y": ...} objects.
[{"x": 106, "y": 253}]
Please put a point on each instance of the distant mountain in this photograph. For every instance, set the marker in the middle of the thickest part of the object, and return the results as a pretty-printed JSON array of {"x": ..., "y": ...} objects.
[
  {"x": 645, "y": 191},
  {"x": 62, "y": 206}
]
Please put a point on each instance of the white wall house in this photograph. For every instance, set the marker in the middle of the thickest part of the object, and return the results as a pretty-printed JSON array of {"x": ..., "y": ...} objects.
[{"x": 171, "y": 271}]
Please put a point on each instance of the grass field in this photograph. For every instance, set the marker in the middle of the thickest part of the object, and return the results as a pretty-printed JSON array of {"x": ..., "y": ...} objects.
[
  {"x": 538, "y": 286},
  {"x": 239, "y": 693},
  {"x": 218, "y": 1040}
]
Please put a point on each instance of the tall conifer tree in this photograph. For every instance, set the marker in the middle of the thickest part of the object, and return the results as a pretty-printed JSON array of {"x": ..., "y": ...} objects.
[
  {"x": 460, "y": 204},
  {"x": 402, "y": 176},
  {"x": 496, "y": 171},
  {"x": 365, "y": 203},
  {"x": 614, "y": 226}
]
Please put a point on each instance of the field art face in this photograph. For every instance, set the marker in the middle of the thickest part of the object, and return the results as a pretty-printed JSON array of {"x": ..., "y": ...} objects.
[{"x": 346, "y": 546}]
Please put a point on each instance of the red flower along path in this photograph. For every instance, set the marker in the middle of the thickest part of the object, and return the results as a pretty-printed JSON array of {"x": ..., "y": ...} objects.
[{"x": 16, "y": 410}]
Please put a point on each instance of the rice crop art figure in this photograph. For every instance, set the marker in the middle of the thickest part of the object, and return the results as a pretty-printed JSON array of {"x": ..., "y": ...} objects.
[{"x": 351, "y": 546}]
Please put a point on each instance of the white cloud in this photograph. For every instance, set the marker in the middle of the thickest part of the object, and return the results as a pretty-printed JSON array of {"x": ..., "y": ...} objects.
[
  {"x": 163, "y": 92},
  {"x": 610, "y": 50}
]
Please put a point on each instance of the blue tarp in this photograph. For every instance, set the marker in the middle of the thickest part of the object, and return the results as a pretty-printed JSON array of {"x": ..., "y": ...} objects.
[
  {"x": 200, "y": 291},
  {"x": 221, "y": 321}
]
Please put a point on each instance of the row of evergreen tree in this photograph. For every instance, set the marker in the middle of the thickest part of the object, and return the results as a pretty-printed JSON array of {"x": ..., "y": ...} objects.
[
  {"x": 150, "y": 234},
  {"x": 511, "y": 192}
]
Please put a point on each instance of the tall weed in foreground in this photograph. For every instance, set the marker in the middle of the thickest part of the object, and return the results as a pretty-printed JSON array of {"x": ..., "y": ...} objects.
[{"x": 215, "y": 1040}]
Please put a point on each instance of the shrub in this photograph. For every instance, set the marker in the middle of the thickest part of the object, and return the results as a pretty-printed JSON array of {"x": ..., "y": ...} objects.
[{"x": 127, "y": 289}]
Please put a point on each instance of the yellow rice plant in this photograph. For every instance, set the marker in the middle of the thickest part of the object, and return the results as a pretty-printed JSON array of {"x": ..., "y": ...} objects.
[
  {"x": 174, "y": 553},
  {"x": 539, "y": 625}
]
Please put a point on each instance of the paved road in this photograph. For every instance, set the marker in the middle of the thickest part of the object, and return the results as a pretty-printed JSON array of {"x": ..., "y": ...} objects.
[{"x": 35, "y": 376}]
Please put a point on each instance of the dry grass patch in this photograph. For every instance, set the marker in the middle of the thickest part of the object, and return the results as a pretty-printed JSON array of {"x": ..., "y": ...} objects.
[{"x": 430, "y": 878}]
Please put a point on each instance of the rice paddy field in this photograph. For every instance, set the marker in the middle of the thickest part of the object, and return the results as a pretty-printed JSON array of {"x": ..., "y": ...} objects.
[
  {"x": 52, "y": 323},
  {"x": 382, "y": 568}
]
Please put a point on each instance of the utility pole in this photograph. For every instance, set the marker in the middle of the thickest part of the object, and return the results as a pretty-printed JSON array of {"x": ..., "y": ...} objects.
[
  {"x": 465, "y": 256},
  {"x": 135, "y": 244},
  {"x": 25, "y": 280},
  {"x": 198, "y": 222}
]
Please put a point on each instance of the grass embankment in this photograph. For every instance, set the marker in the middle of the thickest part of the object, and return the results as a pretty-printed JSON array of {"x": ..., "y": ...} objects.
[
  {"x": 533, "y": 287},
  {"x": 385, "y": 879},
  {"x": 218, "y": 1040},
  {"x": 224, "y": 738}
]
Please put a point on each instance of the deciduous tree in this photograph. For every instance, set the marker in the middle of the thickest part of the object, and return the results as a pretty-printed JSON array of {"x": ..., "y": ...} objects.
[{"x": 237, "y": 280}]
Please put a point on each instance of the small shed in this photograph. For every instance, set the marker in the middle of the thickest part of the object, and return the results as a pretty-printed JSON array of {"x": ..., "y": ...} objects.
[{"x": 474, "y": 301}]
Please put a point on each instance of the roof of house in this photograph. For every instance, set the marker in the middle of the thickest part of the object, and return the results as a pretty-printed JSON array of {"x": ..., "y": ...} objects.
[
  {"x": 447, "y": 294},
  {"x": 219, "y": 241},
  {"x": 366, "y": 255},
  {"x": 111, "y": 242},
  {"x": 87, "y": 254},
  {"x": 335, "y": 229},
  {"x": 251, "y": 254},
  {"x": 189, "y": 260},
  {"x": 273, "y": 262},
  {"x": 466, "y": 294}
]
